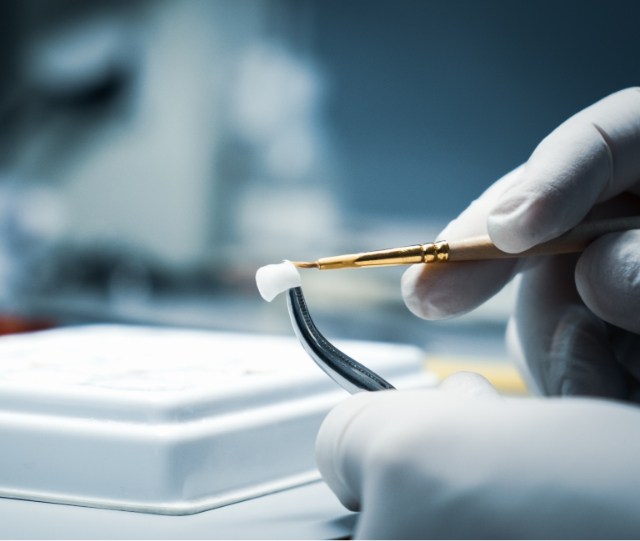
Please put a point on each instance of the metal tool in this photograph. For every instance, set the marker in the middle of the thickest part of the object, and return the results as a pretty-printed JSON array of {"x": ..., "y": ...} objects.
[{"x": 345, "y": 371}]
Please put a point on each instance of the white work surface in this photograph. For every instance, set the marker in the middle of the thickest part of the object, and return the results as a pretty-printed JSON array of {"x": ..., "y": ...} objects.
[{"x": 125, "y": 431}]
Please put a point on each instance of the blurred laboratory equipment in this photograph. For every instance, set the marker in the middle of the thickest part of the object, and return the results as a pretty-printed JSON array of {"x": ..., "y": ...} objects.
[
  {"x": 171, "y": 148},
  {"x": 181, "y": 144}
]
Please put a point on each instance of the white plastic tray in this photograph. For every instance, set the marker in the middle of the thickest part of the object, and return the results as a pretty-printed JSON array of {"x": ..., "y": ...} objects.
[{"x": 166, "y": 421}]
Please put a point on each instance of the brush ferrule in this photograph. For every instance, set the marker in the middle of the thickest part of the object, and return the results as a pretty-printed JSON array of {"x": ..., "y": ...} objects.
[
  {"x": 408, "y": 255},
  {"x": 435, "y": 252}
]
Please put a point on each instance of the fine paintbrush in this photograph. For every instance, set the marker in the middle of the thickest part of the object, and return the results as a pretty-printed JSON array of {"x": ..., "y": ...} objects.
[{"x": 473, "y": 248}]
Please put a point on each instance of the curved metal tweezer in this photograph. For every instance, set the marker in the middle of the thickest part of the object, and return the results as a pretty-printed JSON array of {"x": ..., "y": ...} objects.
[{"x": 346, "y": 372}]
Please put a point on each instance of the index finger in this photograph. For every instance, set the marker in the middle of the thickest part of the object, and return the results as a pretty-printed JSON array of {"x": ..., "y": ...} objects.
[{"x": 589, "y": 158}]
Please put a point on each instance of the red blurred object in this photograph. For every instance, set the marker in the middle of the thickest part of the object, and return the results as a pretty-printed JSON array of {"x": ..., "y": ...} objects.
[{"x": 11, "y": 324}]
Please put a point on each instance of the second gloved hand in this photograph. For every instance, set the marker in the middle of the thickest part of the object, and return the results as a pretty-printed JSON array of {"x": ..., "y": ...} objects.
[{"x": 460, "y": 462}]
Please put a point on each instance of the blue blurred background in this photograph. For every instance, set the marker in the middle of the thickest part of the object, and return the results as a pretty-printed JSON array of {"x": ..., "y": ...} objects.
[
  {"x": 435, "y": 98},
  {"x": 153, "y": 154}
]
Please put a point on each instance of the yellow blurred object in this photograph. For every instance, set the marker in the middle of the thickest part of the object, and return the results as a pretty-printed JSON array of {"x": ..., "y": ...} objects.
[{"x": 502, "y": 375}]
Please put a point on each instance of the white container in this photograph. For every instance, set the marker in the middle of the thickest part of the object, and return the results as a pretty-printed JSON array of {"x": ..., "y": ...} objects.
[{"x": 166, "y": 421}]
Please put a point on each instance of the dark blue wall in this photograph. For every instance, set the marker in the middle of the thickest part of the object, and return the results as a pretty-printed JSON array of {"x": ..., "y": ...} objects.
[{"x": 441, "y": 98}]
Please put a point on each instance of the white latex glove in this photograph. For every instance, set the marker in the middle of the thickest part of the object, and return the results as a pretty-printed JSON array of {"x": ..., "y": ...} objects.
[
  {"x": 577, "y": 319},
  {"x": 468, "y": 464}
]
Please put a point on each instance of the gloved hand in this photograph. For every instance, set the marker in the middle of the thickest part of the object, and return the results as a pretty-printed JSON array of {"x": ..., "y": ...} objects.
[
  {"x": 577, "y": 319},
  {"x": 461, "y": 462},
  {"x": 437, "y": 464}
]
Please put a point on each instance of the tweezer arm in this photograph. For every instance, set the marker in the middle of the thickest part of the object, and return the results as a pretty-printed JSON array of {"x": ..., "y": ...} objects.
[{"x": 345, "y": 371}]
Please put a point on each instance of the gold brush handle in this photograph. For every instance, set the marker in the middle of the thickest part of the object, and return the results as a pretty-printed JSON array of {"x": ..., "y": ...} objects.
[
  {"x": 575, "y": 240},
  {"x": 473, "y": 249}
]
